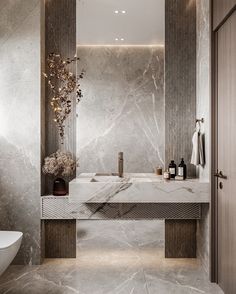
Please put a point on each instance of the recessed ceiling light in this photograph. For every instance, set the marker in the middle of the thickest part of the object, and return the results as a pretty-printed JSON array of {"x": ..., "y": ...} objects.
[
  {"x": 122, "y": 39},
  {"x": 116, "y": 11},
  {"x": 116, "y": 39},
  {"x": 123, "y": 11}
]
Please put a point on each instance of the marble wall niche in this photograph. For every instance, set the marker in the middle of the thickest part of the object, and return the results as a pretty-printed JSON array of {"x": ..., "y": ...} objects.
[
  {"x": 122, "y": 108},
  {"x": 203, "y": 110},
  {"x": 20, "y": 111}
]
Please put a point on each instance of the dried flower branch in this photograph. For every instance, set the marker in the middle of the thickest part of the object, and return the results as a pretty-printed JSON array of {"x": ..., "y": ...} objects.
[
  {"x": 59, "y": 164},
  {"x": 63, "y": 85}
]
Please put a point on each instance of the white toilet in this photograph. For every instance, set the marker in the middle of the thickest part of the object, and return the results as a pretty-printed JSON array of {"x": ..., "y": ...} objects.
[{"x": 9, "y": 245}]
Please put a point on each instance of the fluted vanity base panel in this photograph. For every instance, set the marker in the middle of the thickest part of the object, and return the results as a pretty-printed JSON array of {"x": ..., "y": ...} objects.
[
  {"x": 180, "y": 238},
  {"x": 60, "y": 238}
]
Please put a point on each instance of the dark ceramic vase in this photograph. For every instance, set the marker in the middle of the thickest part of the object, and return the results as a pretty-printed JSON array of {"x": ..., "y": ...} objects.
[{"x": 59, "y": 187}]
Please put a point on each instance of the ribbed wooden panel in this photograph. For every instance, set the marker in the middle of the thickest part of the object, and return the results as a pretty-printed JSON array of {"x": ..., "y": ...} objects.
[
  {"x": 60, "y": 238},
  {"x": 180, "y": 79},
  {"x": 180, "y": 238},
  {"x": 60, "y": 37}
]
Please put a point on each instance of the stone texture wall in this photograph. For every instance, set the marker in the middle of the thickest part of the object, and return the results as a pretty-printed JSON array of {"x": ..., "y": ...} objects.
[
  {"x": 122, "y": 108},
  {"x": 20, "y": 111},
  {"x": 203, "y": 110},
  {"x": 203, "y": 78}
]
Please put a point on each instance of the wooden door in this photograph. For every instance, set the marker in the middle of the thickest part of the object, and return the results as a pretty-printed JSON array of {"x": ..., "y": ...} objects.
[{"x": 226, "y": 88}]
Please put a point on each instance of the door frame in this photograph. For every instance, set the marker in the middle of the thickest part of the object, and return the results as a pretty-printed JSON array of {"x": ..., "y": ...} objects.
[{"x": 214, "y": 147}]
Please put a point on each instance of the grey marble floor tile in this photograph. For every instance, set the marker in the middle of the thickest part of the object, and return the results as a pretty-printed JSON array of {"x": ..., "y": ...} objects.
[{"x": 113, "y": 257}]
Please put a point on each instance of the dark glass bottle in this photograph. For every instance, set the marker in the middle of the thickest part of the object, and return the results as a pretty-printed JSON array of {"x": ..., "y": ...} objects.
[
  {"x": 182, "y": 169},
  {"x": 172, "y": 169}
]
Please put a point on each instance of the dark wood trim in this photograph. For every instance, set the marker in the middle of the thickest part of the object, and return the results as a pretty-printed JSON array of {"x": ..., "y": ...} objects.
[
  {"x": 214, "y": 159},
  {"x": 180, "y": 238},
  {"x": 213, "y": 223}
]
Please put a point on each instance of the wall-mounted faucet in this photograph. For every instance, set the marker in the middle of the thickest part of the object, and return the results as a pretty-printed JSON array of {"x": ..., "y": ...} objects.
[{"x": 120, "y": 164}]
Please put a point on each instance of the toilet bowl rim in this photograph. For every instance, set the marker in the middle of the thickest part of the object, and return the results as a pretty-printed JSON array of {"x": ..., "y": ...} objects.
[{"x": 9, "y": 238}]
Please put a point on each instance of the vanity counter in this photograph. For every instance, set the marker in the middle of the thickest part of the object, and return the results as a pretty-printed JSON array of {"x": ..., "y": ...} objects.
[
  {"x": 136, "y": 188},
  {"x": 135, "y": 196}
]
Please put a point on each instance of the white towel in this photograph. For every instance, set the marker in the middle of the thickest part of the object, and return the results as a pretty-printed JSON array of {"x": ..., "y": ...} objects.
[
  {"x": 198, "y": 152},
  {"x": 195, "y": 152}
]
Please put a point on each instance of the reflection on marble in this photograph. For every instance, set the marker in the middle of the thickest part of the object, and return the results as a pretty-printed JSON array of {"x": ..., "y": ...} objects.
[
  {"x": 136, "y": 188},
  {"x": 20, "y": 124},
  {"x": 203, "y": 238},
  {"x": 122, "y": 108},
  {"x": 120, "y": 257}
]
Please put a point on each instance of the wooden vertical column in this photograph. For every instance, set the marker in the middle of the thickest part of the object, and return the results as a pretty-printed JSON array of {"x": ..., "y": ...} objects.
[
  {"x": 60, "y": 38},
  {"x": 60, "y": 238},
  {"x": 180, "y": 238},
  {"x": 180, "y": 80}
]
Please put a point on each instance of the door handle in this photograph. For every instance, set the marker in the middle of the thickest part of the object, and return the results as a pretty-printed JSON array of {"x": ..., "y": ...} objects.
[{"x": 220, "y": 175}]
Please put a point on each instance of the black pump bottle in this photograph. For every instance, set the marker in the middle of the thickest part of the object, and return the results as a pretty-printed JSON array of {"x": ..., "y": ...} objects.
[
  {"x": 182, "y": 169},
  {"x": 172, "y": 169}
]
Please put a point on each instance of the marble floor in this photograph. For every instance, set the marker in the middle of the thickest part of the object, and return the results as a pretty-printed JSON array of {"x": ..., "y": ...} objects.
[{"x": 113, "y": 257}]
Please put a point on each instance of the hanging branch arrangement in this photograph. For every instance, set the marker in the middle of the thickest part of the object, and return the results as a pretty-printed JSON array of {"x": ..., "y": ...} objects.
[{"x": 63, "y": 85}]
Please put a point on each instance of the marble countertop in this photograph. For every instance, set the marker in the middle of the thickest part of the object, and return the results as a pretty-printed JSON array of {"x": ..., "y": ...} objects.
[{"x": 136, "y": 188}]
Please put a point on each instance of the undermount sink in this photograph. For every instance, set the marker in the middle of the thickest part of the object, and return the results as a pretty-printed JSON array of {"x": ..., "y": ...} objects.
[{"x": 106, "y": 177}]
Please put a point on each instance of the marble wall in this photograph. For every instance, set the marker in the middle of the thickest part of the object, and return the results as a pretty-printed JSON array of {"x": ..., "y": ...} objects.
[
  {"x": 20, "y": 114},
  {"x": 203, "y": 110},
  {"x": 122, "y": 109},
  {"x": 203, "y": 79}
]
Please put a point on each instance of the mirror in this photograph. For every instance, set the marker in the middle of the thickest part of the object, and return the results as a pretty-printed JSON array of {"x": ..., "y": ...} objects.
[{"x": 121, "y": 48}]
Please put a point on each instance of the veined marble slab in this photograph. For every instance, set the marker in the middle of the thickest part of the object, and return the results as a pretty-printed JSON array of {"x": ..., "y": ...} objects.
[{"x": 136, "y": 188}]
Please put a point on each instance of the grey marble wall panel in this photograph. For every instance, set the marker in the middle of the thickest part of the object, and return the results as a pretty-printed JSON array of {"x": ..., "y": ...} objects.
[
  {"x": 203, "y": 110},
  {"x": 180, "y": 80},
  {"x": 122, "y": 108},
  {"x": 203, "y": 238},
  {"x": 20, "y": 106},
  {"x": 203, "y": 78}
]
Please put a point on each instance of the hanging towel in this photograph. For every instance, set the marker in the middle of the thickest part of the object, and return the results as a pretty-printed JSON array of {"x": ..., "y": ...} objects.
[{"x": 195, "y": 151}]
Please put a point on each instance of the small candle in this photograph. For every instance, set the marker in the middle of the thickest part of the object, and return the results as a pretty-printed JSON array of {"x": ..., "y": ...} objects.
[{"x": 159, "y": 171}]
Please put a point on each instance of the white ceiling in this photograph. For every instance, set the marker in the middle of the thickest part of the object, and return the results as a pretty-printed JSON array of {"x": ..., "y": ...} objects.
[{"x": 142, "y": 24}]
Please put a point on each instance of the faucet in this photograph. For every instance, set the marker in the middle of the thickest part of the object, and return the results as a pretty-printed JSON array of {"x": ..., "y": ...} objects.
[{"x": 120, "y": 165}]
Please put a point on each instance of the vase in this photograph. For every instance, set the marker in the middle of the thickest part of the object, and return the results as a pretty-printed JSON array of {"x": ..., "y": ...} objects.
[{"x": 59, "y": 187}]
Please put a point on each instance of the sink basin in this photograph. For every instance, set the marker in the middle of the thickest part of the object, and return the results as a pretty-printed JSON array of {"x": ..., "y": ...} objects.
[
  {"x": 127, "y": 178},
  {"x": 106, "y": 177},
  {"x": 106, "y": 174}
]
